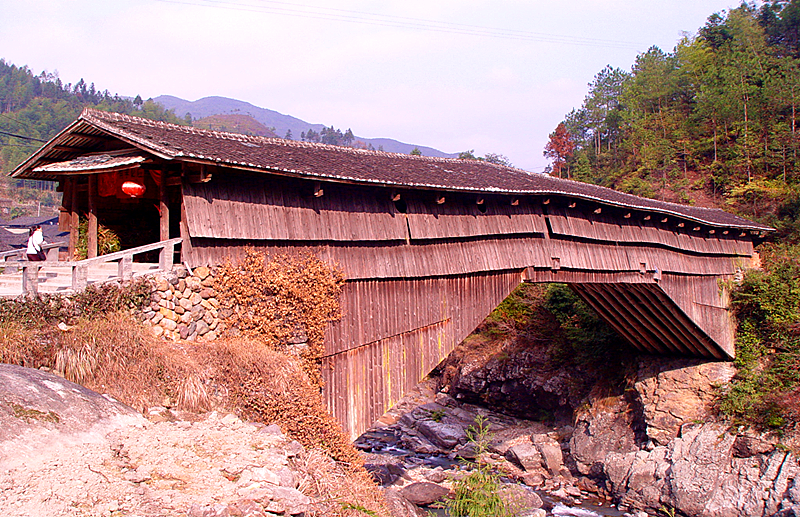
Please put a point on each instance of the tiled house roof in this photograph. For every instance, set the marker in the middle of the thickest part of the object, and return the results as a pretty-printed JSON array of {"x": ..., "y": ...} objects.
[{"x": 341, "y": 164}]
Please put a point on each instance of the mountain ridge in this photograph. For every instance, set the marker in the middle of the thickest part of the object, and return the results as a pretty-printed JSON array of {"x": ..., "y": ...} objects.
[{"x": 217, "y": 105}]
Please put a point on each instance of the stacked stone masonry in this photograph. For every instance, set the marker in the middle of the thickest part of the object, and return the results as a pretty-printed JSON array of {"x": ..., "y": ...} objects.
[{"x": 184, "y": 305}]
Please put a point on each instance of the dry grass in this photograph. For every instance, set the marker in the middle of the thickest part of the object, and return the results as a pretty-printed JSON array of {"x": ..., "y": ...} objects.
[
  {"x": 110, "y": 354},
  {"x": 268, "y": 386},
  {"x": 342, "y": 491},
  {"x": 115, "y": 354}
]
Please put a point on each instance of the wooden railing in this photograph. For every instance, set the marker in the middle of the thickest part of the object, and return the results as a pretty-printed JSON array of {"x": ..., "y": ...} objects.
[{"x": 80, "y": 268}]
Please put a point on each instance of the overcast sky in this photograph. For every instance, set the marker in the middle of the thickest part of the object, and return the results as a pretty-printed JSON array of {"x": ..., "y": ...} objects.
[{"x": 494, "y": 76}]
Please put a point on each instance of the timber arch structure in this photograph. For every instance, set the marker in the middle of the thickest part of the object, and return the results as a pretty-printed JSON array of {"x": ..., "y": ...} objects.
[{"x": 429, "y": 246}]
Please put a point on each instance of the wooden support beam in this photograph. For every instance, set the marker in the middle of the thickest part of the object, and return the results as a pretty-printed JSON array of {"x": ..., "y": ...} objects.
[
  {"x": 93, "y": 138},
  {"x": 626, "y": 318},
  {"x": 514, "y": 201},
  {"x": 573, "y": 205},
  {"x": 74, "y": 219},
  {"x": 598, "y": 210},
  {"x": 163, "y": 207},
  {"x": 91, "y": 232},
  {"x": 644, "y": 314},
  {"x": 395, "y": 196},
  {"x": 664, "y": 311},
  {"x": 318, "y": 191},
  {"x": 480, "y": 200},
  {"x": 186, "y": 243},
  {"x": 594, "y": 296},
  {"x": 647, "y": 218},
  {"x": 439, "y": 200}
]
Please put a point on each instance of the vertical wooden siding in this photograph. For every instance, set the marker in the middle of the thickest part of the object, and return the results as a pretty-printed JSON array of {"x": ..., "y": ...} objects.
[
  {"x": 395, "y": 332},
  {"x": 422, "y": 275}
]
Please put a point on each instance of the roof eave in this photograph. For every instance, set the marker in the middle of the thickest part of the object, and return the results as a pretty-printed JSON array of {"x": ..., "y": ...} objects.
[
  {"x": 447, "y": 188},
  {"x": 25, "y": 169}
]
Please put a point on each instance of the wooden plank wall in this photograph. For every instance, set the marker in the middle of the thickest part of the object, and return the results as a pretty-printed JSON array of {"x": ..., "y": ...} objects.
[
  {"x": 250, "y": 207},
  {"x": 422, "y": 275},
  {"x": 406, "y": 328}
]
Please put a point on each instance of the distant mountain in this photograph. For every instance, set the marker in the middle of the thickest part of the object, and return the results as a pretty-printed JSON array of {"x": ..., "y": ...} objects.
[
  {"x": 281, "y": 123},
  {"x": 244, "y": 124}
]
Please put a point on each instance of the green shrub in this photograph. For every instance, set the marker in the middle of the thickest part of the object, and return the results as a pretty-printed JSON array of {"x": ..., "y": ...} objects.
[
  {"x": 767, "y": 306},
  {"x": 588, "y": 339},
  {"x": 107, "y": 240},
  {"x": 479, "y": 493}
]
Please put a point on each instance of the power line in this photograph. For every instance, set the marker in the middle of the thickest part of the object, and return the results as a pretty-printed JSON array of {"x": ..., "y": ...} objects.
[
  {"x": 9, "y": 117},
  {"x": 22, "y": 137},
  {"x": 365, "y": 18}
]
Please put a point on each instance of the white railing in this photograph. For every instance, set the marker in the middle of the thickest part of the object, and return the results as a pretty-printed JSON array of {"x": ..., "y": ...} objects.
[
  {"x": 80, "y": 268},
  {"x": 13, "y": 256}
]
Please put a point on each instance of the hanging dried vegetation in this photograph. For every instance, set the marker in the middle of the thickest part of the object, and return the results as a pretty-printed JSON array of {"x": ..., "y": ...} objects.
[{"x": 282, "y": 300}]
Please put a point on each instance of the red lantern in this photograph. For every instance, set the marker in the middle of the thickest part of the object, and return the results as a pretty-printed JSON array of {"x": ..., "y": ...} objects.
[{"x": 133, "y": 189}]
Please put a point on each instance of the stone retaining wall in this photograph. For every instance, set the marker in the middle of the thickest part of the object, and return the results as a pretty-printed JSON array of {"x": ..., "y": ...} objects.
[{"x": 184, "y": 305}]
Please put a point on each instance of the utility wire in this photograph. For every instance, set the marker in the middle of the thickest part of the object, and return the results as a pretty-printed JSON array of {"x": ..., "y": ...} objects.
[
  {"x": 22, "y": 137},
  {"x": 360, "y": 17},
  {"x": 20, "y": 122}
]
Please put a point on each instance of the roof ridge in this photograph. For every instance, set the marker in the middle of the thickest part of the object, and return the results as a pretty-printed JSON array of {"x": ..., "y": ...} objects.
[{"x": 92, "y": 113}]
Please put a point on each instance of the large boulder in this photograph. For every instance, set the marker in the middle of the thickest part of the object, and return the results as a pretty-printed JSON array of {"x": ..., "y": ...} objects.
[
  {"x": 399, "y": 506},
  {"x": 605, "y": 426},
  {"x": 424, "y": 493},
  {"x": 550, "y": 452},
  {"x": 39, "y": 411},
  {"x": 526, "y": 455},
  {"x": 676, "y": 392}
]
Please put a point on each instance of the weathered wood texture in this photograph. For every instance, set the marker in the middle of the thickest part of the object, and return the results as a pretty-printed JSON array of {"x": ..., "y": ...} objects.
[
  {"x": 429, "y": 245},
  {"x": 421, "y": 275},
  {"x": 406, "y": 328}
]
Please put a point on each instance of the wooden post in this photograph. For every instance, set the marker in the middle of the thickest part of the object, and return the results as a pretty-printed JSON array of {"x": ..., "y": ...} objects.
[
  {"x": 74, "y": 221},
  {"x": 186, "y": 243},
  {"x": 163, "y": 207},
  {"x": 91, "y": 237}
]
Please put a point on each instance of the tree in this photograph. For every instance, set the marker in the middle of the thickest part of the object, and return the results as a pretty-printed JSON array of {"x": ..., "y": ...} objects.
[
  {"x": 467, "y": 155},
  {"x": 415, "y": 152},
  {"x": 559, "y": 148},
  {"x": 288, "y": 135},
  {"x": 498, "y": 159}
]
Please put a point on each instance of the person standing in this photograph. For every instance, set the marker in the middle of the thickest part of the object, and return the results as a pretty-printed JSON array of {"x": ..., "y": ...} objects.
[{"x": 35, "y": 242}]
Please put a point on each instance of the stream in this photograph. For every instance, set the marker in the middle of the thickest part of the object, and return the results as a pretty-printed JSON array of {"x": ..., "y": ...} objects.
[{"x": 399, "y": 451}]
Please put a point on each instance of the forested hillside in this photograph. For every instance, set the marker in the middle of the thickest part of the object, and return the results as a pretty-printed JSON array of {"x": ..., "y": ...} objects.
[
  {"x": 34, "y": 108},
  {"x": 714, "y": 122}
]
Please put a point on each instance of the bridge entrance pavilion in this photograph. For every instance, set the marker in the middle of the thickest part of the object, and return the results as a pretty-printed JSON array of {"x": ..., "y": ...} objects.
[{"x": 429, "y": 246}]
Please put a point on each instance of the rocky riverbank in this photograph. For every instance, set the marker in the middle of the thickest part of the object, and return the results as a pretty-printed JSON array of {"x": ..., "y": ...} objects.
[
  {"x": 652, "y": 448},
  {"x": 68, "y": 451}
]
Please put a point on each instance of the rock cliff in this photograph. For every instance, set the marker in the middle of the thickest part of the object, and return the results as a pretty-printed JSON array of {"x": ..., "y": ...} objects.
[{"x": 651, "y": 443}]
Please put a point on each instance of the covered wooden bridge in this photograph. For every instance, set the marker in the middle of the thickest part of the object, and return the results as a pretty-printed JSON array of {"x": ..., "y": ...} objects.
[{"x": 429, "y": 246}]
